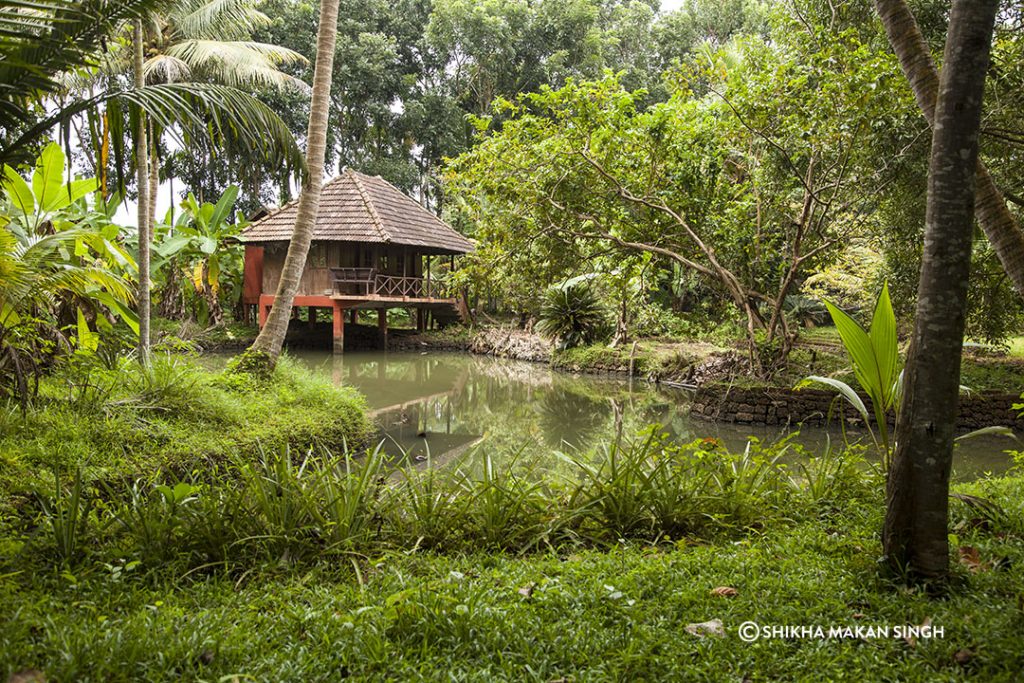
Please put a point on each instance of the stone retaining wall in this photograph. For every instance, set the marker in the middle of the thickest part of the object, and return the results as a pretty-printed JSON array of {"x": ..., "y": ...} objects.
[{"x": 780, "y": 406}]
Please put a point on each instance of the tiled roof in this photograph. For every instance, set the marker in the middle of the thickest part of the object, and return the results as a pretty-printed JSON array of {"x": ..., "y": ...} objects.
[{"x": 360, "y": 208}]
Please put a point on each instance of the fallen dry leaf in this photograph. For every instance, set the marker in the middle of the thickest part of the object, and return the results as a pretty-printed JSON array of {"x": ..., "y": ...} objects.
[
  {"x": 706, "y": 628},
  {"x": 970, "y": 558},
  {"x": 911, "y": 640},
  {"x": 725, "y": 592},
  {"x": 963, "y": 656},
  {"x": 527, "y": 590},
  {"x": 27, "y": 676}
]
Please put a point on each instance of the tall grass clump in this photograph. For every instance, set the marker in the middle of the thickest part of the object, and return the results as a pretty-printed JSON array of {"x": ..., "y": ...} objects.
[
  {"x": 653, "y": 487},
  {"x": 286, "y": 506}
]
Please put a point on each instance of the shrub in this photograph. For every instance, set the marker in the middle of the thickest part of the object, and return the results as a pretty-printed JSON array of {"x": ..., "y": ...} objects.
[{"x": 573, "y": 314}]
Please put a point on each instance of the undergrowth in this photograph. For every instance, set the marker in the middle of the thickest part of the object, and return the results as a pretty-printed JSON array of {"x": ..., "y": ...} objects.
[{"x": 175, "y": 416}]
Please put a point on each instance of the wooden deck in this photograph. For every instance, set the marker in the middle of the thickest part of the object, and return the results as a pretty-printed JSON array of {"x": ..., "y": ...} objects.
[
  {"x": 368, "y": 300},
  {"x": 340, "y": 304}
]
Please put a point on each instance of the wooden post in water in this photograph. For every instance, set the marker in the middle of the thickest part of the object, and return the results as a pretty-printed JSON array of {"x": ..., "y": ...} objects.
[
  {"x": 382, "y": 327},
  {"x": 338, "y": 318}
]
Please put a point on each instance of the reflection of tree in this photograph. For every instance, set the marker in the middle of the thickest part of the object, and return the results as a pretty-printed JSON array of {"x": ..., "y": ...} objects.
[{"x": 571, "y": 416}]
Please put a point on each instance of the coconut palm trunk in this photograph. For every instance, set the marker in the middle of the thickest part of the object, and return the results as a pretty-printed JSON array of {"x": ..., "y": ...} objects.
[
  {"x": 142, "y": 178},
  {"x": 154, "y": 179},
  {"x": 1003, "y": 231},
  {"x": 271, "y": 337},
  {"x": 917, "y": 495}
]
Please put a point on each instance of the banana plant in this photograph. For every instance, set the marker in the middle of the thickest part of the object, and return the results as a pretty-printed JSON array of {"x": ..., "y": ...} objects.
[
  {"x": 51, "y": 202},
  {"x": 874, "y": 354},
  {"x": 199, "y": 247}
]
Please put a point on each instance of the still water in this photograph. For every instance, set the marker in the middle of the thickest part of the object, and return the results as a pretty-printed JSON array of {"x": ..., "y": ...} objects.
[{"x": 445, "y": 403}]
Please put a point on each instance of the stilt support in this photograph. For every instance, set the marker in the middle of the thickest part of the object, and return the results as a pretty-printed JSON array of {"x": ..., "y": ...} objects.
[
  {"x": 266, "y": 301},
  {"x": 382, "y": 327},
  {"x": 338, "y": 318}
]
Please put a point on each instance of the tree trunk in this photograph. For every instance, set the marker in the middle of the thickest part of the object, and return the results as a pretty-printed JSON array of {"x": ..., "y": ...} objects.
[
  {"x": 994, "y": 216},
  {"x": 212, "y": 300},
  {"x": 142, "y": 180},
  {"x": 271, "y": 337},
  {"x": 917, "y": 492},
  {"x": 154, "y": 180}
]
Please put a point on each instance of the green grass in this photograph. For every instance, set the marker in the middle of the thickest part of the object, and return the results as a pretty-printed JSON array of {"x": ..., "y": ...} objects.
[
  {"x": 567, "y": 614},
  {"x": 651, "y": 358},
  {"x": 124, "y": 423}
]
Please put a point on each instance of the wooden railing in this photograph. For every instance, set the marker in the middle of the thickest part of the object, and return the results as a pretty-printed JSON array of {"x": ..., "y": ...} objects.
[{"x": 367, "y": 281}]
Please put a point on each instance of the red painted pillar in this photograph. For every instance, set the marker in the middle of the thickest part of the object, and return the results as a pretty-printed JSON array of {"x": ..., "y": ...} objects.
[
  {"x": 338, "y": 318},
  {"x": 266, "y": 301}
]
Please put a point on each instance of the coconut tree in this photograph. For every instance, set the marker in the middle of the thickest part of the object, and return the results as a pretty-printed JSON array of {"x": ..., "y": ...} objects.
[
  {"x": 994, "y": 216},
  {"x": 209, "y": 41},
  {"x": 917, "y": 493},
  {"x": 271, "y": 337},
  {"x": 195, "y": 41},
  {"x": 42, "y": 41}
]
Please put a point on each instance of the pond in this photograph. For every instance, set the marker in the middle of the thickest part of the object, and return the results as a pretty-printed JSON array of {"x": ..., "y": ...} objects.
[{"x": 443, "y": 404}]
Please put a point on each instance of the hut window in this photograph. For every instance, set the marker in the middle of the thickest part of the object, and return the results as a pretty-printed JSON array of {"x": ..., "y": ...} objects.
[{"x": 319, "y": 256}]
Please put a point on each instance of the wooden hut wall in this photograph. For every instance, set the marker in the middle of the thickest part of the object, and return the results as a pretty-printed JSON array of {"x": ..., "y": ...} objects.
[{"x": 316, "y": 280}]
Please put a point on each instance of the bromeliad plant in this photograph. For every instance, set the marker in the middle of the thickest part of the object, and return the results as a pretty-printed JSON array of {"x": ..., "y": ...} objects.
[{"x": 874, "y": 354}]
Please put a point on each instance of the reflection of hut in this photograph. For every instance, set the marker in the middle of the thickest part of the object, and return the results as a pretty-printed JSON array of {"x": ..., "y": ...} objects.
[{"x": 372, "y": 249}]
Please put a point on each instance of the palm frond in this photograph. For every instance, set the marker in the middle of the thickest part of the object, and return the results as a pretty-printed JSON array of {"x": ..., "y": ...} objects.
[
  {"x": 243, "y": 64},
  {"x": 82, "y": 281},
  {"x": 166, "y": 68},
  {"x": 217, "y": 19},
  {"x": 234, "y": 119},
  {"x": 242, "y": 124},
  {"x": 40, "y": 39}
]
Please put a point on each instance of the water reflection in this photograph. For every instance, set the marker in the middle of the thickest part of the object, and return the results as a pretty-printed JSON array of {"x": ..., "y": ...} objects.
[{"x": 445, "y": 403}]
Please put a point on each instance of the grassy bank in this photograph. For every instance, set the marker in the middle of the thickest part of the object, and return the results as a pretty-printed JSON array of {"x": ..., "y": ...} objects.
[
  {"x": 121, "y": 423},
  {"x": 563, "y": 613}
]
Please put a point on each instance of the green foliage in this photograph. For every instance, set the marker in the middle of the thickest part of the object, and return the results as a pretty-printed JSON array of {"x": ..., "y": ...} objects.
[
  {"x": 874, "y": 354},
  {"x": 198, "y": 259},
  {"x": 573, "y": 314},
  {"x": 62, "y": 268},
  {"x": 591, "y": 175},
  {"x": 67, "y": 516},
  {"x": 603, "y": 613},
  {"x": 284, "y": 509},
  {"x": 43, "y": 48}
]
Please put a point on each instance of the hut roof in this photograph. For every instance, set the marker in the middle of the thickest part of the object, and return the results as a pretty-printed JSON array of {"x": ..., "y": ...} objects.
[{"x": 359, "y": 208}]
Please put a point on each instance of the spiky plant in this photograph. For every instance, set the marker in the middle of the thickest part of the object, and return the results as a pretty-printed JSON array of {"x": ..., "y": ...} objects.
[{"x": 573, "y": 314}]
